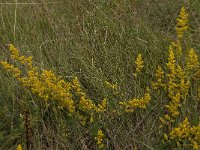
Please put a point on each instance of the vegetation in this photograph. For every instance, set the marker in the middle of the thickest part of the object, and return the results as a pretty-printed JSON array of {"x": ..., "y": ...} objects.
[{"x": 100, "y": 74}]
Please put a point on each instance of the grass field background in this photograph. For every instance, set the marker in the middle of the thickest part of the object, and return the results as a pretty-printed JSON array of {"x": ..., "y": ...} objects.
[{"x": 96, "y": 41}]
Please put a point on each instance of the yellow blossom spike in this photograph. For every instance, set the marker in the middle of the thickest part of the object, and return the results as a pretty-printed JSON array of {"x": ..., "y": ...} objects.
[
  {"x": 192, "y": 60},
  {"x": 182, "y": 23},
  {"x": 139, "y": 65},
  {"x": 99, "y": 139},
  {"x": 171, "y": 60},
  {"x": 160, "y": 74},
  {"x": 185, "y": 132}
]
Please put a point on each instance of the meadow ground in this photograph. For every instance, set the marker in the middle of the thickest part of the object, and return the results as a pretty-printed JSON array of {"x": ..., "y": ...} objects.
[{"x": 99, "y": 74}]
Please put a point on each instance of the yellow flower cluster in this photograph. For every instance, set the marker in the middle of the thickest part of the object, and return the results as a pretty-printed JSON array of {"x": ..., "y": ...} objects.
[
  {"x": 192, "y": 60},
  {"x": 182, "y": 22},
  {"x": 131, "y": 105},
  {"x": 19, "y": 147},
  {"x": 16, "y": 56},
  {"x": 85, "y": 103},
  {"x": 67, "y": 95},
  {"x": 99, "y": 139},
  {"x": 177, "y": 46},
  {"x": 33, "y": 81},
  {"x": 177, "y": 86},
  {"x": 186, "y": 133},
  {"x": 111, "y": 85},
  {"x": 176, "y": 81},
  {"x": 46, "y": 84},
  {"x": 139, "y": 65},
  {"x": 171, "y": 61},
  {"x": 181, "y": 27},
  {"x": 59, "y": 89},
  {"x": 102, "y": 107},
  {"x": 160, "y": 75},
  {"x": 10, "y": 68}
]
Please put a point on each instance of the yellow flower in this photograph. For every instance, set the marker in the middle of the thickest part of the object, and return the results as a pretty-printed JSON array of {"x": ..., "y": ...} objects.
[
  {"x": 171, "y": 65},
  {"x": 99, "y": 138},
  {"x": 165, "y": 136},
  {"x": 167, "y": 117},
  {"x": 192, "y": 60},
  {"x": 111, "y": 85},
  {"x": 181, "y": 25},
  {"x": 16, "y": 56},
  {"x": 86, "y": 104},
  {"x": 102, "y": 107},
  {"x": 186, "y": 132},
  {"x": 19, "y": 147},
  {"x": 45, "y": 84},
  {"x": 177, "y": 85},
  {"x": 178, "y": 46},
  {"x": 131, "y": 105},
  {"x": 159, "y": 77},
  {"x": 139, "y": 65},
  {"x": 10, "y": 68}
]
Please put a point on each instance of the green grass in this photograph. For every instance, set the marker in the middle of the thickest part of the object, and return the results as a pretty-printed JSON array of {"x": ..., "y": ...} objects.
[{"x": 97, "y": 41}]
